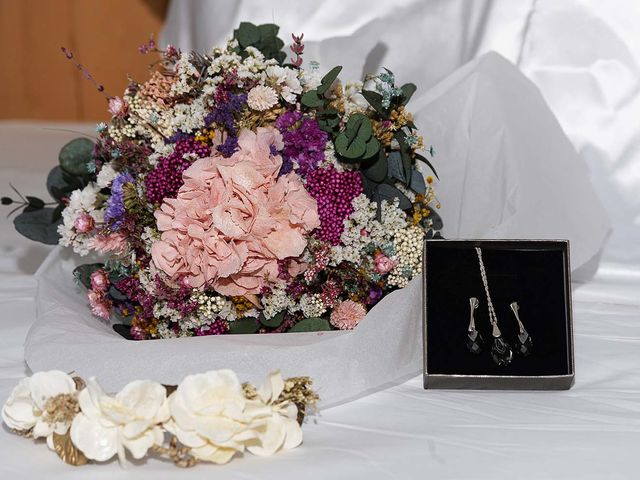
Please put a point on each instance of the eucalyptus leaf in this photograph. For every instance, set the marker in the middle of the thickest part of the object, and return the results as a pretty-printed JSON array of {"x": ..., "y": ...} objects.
[
  {"x": 60, "y": 184},
  {"x": 313, "y": 324},
  {"x": 247, "y": 34},
  {"x": 418, "y": 184},
  {"x": 389, "y": 193},
  {"x": 422, "y": 158},
  {"x": 373, "y": 147},
  {"x": 377, "y": 172},
  {"x": 268, "y": 31},
  {"x": 396, "y": 170},
  {"x": 34, "y": 202},
  {"x": 75, "y": 155},
  {"x": 38, "y": 225},
  {"x": 370, "y": 188},
  {"x": 407, "y": 164},
  {"x": 123, "y": 330},
  {"x": 359, "y": 126},
  {"x": 57, "y": 212},
  {"x": 350, "y": 149},
  {"x": 83, "y": 273},
  {"x": 408, "y": 89},
  {"x": 274, "y": 321},
  {"x": 117, "y": 294},
  {"x": 328, "y": 79},
  {"x": 436, "y": 220},
  {"x": 244, "y": 325},
  {"x": 375, "y": 100},
  {"x": 311, "y": 99}
]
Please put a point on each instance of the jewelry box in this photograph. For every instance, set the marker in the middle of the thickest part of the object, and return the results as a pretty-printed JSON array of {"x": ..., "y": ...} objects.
[{"x": 497, "y": 315}]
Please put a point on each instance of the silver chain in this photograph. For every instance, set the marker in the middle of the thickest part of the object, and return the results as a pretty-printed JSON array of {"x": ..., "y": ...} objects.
[{"x": 492, "y": 313}]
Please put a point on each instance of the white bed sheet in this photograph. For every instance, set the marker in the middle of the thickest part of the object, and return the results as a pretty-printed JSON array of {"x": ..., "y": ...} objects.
[{"x": 589, "y": 432}]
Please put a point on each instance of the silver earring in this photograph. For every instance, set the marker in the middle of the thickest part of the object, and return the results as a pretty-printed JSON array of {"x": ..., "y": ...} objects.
[
  {"x": 525, "y": 344},
  {"x": 474, "y": 339}
]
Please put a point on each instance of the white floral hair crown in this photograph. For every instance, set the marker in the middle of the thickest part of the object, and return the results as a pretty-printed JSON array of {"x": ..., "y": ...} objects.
[{"x": 208, "y": 417}]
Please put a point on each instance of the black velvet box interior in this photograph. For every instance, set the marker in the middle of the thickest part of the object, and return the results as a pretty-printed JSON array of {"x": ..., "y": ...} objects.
[{"x": 534, "y": 273}]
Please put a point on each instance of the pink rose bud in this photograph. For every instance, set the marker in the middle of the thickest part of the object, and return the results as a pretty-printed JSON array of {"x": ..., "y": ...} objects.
[
  {"x": 84, "y": 223},
  {"x": 99, "y": 281},
  {"x": 383, "y": 263}
]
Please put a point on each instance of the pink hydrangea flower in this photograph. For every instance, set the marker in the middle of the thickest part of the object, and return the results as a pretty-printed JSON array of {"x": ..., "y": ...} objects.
[
  {"x": 383, "y": 263},
  {"x": 346, "y": 315},
  {"x": 99, "y": 281},
  {"x": 234, "y": 219}
]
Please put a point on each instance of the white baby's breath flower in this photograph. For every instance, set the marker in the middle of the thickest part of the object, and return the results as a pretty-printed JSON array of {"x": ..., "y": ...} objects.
[
  {"x": 311, "y": 79},
  {"x": 287, "y": 82},
  {"x": 131, "y": 420},
  {"x": 106, "y": 175},
  {"x": 262, "y": 98},
  {"x": 25, "y": 409}
]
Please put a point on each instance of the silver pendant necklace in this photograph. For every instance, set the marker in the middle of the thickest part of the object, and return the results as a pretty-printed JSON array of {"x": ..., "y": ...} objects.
[{"x": 500, "y": 350}]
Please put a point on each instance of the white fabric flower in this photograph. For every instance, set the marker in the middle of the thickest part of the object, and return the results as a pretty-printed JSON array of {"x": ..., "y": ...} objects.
[
  {"x": 25, "y": 407},
  {"x": 262, "y": 98},
  {"x": 280, "y": 429},
  {"x": 107, "y": 425},
  {"x": 209, "y": 415}
]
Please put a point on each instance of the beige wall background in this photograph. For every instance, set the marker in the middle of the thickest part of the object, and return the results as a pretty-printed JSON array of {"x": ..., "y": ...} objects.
[{"x": 36, "y": 79}]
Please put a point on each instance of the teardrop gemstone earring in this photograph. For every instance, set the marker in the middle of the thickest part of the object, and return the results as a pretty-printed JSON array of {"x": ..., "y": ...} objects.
[
  {"x": 474, "y": 339},
  {"x": 524, "y": 345}
]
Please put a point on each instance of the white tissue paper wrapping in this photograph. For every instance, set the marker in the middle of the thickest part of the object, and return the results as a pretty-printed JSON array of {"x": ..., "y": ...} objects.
[{"x": 507, "y": 171}]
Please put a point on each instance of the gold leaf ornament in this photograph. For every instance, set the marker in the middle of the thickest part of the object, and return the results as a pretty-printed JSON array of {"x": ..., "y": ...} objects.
[{"x": 67, "y": 451}]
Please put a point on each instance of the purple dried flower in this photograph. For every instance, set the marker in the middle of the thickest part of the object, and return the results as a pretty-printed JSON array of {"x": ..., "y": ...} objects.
[
  {"x": 304, "y": 142},
  {"x": 114, "y": 214}
]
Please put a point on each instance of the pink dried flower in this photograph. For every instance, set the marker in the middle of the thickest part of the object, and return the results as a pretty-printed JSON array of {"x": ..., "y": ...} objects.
[
  {"x": 100, "y": 305},
  {"x": 383, "y": 263},
  {"x": 84, "y": 223},
  {"x": 147, "y": 47},
  {"x": 171, "y": 51},
  {"x": 99, "y": 281},
  {"x": 297, "y": 48},
  {"x": 117, "y": 107},
  {"x": 113, "y": 243},
  {"x": 234, "y": 219},
  {"x": 346, "y": 315}
]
